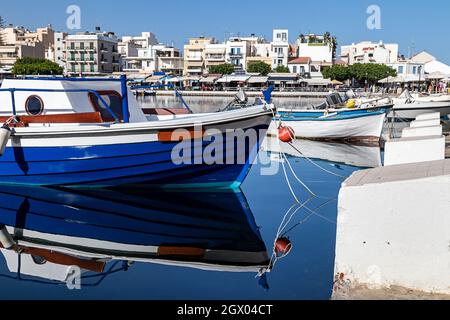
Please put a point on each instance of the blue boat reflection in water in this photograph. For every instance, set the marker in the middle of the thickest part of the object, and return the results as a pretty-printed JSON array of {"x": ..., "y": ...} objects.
[
  {"x": 184, "y": 245},
  {"x": 57, "y": 229}
]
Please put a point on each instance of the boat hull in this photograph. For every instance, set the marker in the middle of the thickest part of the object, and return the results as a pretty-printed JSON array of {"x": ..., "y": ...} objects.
[
  {"x": 366, "y": 127},
  {"x": 410, "y": 111},
  {"x": 132, "y": 154}
]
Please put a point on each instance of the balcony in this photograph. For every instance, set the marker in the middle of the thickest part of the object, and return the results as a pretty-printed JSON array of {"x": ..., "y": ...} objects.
[
  {"x": 235, "y": 55},
  {"x": 194, "y": 58},
  {"x": 216, "y": 58}
]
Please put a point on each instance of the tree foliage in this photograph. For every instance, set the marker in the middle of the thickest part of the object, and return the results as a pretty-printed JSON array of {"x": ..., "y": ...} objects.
[
  {"x": 360, "y": 72},
  {"x": 225, "y": 68},
  {"x": 282, "y": 69},
  {"x": 259, "y": 67},
  {"x": 36, "y": 66}
]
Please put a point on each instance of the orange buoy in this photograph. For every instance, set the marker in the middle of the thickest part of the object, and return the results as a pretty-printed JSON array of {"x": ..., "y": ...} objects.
[
  {"x": 286, "y": 134},
  {"x": 283, "y": 247}
]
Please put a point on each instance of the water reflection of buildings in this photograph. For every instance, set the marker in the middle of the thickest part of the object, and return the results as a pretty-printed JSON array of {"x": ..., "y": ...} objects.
[{"x": 49, "y": 231}]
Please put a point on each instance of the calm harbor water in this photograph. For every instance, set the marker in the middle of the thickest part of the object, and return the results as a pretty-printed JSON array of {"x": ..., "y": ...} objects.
[
  {"x": 223, "y": 224},
  {"x": 211, "y": 104}
]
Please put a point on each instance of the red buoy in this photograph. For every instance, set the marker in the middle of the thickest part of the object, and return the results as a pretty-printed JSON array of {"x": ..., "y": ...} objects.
[
  {"x": 286, "y": 134},
  {"x": 283, "y": 247}
]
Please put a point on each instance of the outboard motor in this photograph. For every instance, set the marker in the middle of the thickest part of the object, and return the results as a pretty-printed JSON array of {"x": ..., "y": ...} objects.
[{"x": 241, "y": 97}]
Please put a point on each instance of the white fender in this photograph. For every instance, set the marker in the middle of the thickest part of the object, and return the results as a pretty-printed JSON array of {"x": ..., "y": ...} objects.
[
  {"x": 5, "y": 134},
  {"x": 5, "y": 238}
]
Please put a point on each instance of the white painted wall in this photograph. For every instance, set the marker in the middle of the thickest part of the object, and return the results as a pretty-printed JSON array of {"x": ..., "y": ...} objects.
[{"x": 393, "y": 227}]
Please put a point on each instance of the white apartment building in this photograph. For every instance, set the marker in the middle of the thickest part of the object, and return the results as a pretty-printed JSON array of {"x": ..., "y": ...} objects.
[
  {"x": 315, "y": 47},
  {"x": 408, "y": 69},
  {"x": 145, "y": 40},
  {"x": 57, "y": 53},
  {"x": 92, "y": 53},
  {"x": 147, "y": 60},
  {"x": 280, "y": 48},
  {"x": 237, "y": 50},
  {"x": 369, "y": 52}
]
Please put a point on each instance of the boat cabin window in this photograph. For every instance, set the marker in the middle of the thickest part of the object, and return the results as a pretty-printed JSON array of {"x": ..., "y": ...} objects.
[
  {"x": 114, "y": 101},
  {"x": 34, "y": 105}
]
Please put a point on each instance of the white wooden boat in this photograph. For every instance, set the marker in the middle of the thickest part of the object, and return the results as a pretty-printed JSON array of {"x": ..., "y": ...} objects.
[
  {"x": 408, "y": 107},
  {"x": 348, "y": 125}
]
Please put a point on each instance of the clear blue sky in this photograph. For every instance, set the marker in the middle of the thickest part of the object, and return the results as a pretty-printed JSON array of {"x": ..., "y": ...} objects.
[{"x": 424, "y": 23}]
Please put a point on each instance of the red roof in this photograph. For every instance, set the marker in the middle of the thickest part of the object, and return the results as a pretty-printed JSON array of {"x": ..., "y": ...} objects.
[{"x": 300, "y": 60}]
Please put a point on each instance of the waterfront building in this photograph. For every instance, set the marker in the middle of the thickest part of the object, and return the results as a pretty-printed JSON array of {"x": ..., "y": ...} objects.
[
  {"x": 261, "y": 52},
  {"x": 317, "y": 47},
  {"x": 431, "y": 63},
  {"x": 19, "y": 42},
  {"x": 409, "y": 70},
  {"x": 300, "y": 66},
  {"x": 169, "y": 60},
  {"x": 280, "y": 48},
  {"x": 369, "y": 52},
  {"x": 57, "y": 52},
  {"x": 237, "y": 50},
  {"x": 195, "y": 56},
  {"x": 92, "y": 53},
  {"x": 145, "y": 40},
  {"x": 215, "y": 54},
  {"x": 144, "y": 54}
]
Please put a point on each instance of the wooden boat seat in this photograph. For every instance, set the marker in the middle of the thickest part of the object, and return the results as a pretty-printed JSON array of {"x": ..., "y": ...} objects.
[
  {"x": 91, "y": 117},
  {"x": 165, "y": 111}
]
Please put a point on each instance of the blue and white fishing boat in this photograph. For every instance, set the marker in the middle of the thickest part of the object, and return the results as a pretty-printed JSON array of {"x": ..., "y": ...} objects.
[
  {"x": 88, "y": 132},
  {"x": 346, "y": 124},
  {"x": 51, "y": 230}
]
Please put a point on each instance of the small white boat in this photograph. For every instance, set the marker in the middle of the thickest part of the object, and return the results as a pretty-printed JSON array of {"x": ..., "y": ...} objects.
[
  {"x": 347, "y": 125},
  {"x": 409, "y": 107},
  {"x": 361, "y": 156}
]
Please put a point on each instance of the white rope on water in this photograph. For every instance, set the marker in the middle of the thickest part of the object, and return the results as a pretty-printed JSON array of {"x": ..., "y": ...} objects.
[{"x": 315, "y": 164}]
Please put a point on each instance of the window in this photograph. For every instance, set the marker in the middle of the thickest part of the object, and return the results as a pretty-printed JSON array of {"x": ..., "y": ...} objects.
[
  {"x": 82, "y": 45},
  {"x": 294, "y": 69},
  {"x": 414, "y": 70},
  {"x": 91, "y": 45},
  {"x": 72, "y": 45},
  {"x": 73, "y": 68},
  {"x": 34, "y": 105},
  {"x": 114, "y": 101},
  {"x": 82, "y": 67},
  {"x": 82, "y": 56},
  {"x": 400, "y": 69},
  {"x": 92, "y": 68}
]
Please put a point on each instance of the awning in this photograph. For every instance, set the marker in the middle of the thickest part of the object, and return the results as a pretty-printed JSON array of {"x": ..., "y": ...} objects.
[
  {"x": 154, "y": 79},
  {"x": 233, "y": 78},
  {"x": 436, "y": 76},
  {"x": 176, "y": 80},
  {"x": 283, "y": 77},
  {"x": 209, "y": 79},
  {"x": 258, "y": 79},
  {"x": 317, "y": 82},
  {"x": 336, "y": 83}
]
